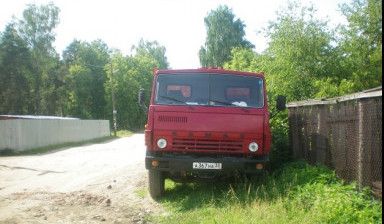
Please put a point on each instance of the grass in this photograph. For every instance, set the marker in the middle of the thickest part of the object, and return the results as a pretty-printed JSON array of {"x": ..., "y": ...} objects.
[
  {"x": 124, "y": 133},
  {"x": 296, "y": 193},
  {"x": 141, "y": 193},
  {"x": 46, "y": 149}
]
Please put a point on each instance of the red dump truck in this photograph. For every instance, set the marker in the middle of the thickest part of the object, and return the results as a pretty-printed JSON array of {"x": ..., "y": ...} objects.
[{"x": 205, "y": 124}]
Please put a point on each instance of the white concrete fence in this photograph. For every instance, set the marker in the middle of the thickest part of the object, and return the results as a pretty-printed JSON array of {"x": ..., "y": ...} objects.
[{"x": 25, "y": 134}]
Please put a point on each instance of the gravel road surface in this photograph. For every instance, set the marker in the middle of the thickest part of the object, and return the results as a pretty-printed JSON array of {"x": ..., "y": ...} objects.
[{"x": 99, "y": 183}]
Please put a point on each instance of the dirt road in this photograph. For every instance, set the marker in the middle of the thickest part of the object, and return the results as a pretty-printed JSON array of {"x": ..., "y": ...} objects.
[{"x": 100, "y": 183}]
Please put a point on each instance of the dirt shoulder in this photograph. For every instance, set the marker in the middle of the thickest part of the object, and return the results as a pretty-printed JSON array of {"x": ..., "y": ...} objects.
[{"x": 104, "y": 182}]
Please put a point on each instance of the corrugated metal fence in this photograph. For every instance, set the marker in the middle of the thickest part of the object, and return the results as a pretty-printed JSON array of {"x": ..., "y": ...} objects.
[
  {"x": 344, "y": 133},
  {"x": 19, "y": 133}
]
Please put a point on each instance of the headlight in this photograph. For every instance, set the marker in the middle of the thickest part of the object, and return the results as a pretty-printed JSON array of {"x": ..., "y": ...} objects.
[
  {"x": 162, "y": 143},
  {"x": 253, "y": 147}
]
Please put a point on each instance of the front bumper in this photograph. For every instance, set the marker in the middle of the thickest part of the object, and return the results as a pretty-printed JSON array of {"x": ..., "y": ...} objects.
[{"x": 229, "y": 164}]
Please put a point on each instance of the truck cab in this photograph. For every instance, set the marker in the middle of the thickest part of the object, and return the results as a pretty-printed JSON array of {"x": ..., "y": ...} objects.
[{"x": 205, "y": 124}]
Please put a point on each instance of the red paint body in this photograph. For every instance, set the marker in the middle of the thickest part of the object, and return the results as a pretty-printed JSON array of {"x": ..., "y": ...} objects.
[{"x": 209, "y": 132}]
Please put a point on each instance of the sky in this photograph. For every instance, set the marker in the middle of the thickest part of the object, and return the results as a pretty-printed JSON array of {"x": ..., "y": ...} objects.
[{"x": 178, "y": 25}]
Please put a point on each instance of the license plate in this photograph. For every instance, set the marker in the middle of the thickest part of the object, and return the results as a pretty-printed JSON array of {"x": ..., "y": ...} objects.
[{"x": 207, "y": 166}]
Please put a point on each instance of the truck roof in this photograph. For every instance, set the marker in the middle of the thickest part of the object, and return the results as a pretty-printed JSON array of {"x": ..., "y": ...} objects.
[{"x": 207, "y": 70}]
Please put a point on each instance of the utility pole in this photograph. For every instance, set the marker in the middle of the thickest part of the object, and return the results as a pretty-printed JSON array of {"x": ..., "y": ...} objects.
[{"x": 113, "y": 102}]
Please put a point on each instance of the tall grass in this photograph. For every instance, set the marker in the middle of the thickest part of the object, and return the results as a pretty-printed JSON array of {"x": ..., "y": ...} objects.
[{"x": 296, "y": 193}]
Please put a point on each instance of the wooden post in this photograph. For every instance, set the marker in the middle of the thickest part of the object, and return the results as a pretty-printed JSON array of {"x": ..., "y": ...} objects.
[
  {"x": 360, "y": 154},
  {"x": 114, "y": 112}
]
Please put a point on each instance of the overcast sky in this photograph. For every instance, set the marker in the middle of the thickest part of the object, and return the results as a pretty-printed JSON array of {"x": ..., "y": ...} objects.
[{"x": 178, "y": 25}]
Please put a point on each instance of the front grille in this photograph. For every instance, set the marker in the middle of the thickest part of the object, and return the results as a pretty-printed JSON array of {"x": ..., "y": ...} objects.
[
  {"x": 207, "y": 144},
  {"x": 173, "y": 119}
]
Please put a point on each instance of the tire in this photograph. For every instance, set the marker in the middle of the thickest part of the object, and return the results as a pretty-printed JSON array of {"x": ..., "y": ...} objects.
[{"x": 156, "y": 183}]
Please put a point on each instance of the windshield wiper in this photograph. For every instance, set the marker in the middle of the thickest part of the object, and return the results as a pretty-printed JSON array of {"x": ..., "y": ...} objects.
[
  {"x": 177, "y": 101},
  {"x": 229, "y": 104},
  {"x": 221, "y": 102},
  {"x": 173, "y": 99}
]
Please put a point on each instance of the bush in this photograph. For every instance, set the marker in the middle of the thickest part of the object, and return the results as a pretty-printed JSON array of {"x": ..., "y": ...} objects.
[
  {"x": 294, "y": 193},
  {"x": 281, "y": 152}
]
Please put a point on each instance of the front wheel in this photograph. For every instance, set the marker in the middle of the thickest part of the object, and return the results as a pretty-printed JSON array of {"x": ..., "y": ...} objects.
[{"x": 156, "y": 183}]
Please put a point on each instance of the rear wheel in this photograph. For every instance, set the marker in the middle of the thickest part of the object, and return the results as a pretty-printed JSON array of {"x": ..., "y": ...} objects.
[{"x": 156, "y": 183}]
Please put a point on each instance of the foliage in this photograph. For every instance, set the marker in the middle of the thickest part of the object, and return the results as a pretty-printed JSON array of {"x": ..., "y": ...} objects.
[
  {"x": 247, "y": 60},
  {"x": 153, "y": 50},
  {"x": 297, "y": 54},
  {"x": 124, "y": 133},
  {"x": 86, "y": 78},
  {"x": 36, "y": 28},
  {"x": 280, "y": 151},
  {"x": 296, "y": 193},
  {"x": 223, "y": 33},
  {"x": 360, "y": 49},
  {"x": 244, "y": 59},
  {"x": 34, "y": 80},
  {"x": 15, "y": 61},
  {"x": 306, "y": 60},
  {"x": 133, "y": 73}
]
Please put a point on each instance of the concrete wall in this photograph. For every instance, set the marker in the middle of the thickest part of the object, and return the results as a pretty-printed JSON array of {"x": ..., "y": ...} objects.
[{"x": 24, "y": 134}]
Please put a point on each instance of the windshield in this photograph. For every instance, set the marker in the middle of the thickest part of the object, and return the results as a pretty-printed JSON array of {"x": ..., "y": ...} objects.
[{"x": 209, "y": 90}]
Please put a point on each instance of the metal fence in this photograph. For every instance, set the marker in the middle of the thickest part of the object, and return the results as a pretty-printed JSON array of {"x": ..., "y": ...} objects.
[
  {"x": 344, "y": 133},
  {"x": 19, "y": 133}
]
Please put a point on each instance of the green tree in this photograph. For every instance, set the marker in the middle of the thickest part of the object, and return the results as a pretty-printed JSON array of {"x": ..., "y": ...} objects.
[
  {"x": 298, "y": 52},
  {"x": 15, "y": 64},
  {"x": 306, "y": 60},
  {"x": 244, "y": 59},
  {"x": 132, "y": 73},
  {"x": 223, "y": 33},
  {"x": 153, "y": 50},
  {"x": 86, "y": 78},
  {"x": 362, "y": 43},
  {"x": 36, "y": 28},
  {"x": 358, "y": 55}
]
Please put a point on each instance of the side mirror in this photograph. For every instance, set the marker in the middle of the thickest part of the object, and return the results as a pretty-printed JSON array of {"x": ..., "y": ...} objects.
[
  {"x": 281, "y": 102},
  {"x": 141, "y": 97}
]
